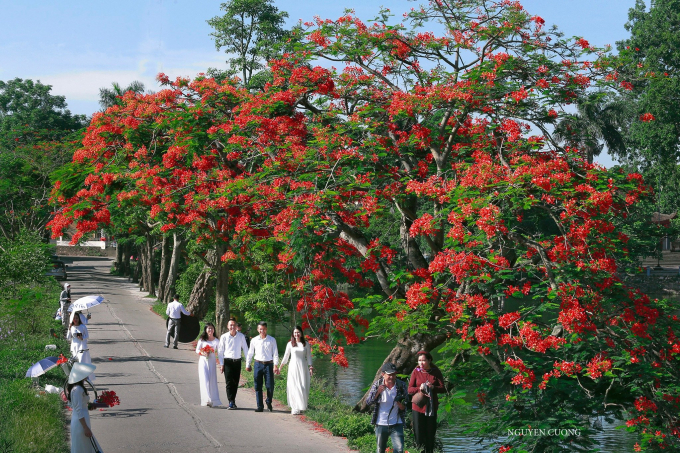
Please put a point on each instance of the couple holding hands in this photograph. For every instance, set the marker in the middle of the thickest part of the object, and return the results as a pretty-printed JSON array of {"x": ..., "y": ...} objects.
[{"x": 263, "y": 353}]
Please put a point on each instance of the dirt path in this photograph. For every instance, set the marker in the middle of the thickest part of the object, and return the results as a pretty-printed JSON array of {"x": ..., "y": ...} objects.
[{"x": 160, "y": 403}]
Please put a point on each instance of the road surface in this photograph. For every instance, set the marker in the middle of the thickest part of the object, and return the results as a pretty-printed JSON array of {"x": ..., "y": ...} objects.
[{"x": 158, "y": 388}]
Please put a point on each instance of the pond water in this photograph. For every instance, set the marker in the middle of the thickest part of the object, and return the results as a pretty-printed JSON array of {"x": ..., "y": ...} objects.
[{"x": 364, "y": 360}]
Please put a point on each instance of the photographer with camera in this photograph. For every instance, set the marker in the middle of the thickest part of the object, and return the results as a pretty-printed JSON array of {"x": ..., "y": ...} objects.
[{"x": 389, "y": 395}]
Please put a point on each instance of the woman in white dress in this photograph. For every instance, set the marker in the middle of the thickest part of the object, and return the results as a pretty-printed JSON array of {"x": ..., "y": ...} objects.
[
  {"x": 78, "y": 334},
  {"x": 82, "y": 439},
  {"x": 207, "y": 367},
  {"x": 299, "y": 371}
]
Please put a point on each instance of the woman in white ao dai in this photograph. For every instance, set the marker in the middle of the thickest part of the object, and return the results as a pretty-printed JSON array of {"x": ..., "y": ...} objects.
[
  {"x": 78, "y": 334},
  {"x": 299, "y": 371},
  {"x": 207, "y": 367}
]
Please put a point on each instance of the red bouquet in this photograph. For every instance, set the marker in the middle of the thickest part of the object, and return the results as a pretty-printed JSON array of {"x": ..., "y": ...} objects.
[
  {"x": 106, "y": 399},
  {"x": 207, "y": 350},
  {"x": 62, "y": 359}
]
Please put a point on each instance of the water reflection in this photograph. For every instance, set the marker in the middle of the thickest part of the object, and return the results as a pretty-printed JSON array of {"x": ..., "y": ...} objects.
[{"x": 366, "y": 358}]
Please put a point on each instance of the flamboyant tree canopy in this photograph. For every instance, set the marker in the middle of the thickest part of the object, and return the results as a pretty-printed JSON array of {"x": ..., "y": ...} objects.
[{"x": 420, "y": 169}]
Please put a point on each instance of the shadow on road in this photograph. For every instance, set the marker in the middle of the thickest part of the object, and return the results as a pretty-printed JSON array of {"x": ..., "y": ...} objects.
[
  {"x": 138, "y": 359},
  {"x": 125, "y": 413}
]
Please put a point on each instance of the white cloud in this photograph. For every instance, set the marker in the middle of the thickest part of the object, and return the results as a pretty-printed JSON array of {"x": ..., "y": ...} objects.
[{"x": 85, "y": 85}]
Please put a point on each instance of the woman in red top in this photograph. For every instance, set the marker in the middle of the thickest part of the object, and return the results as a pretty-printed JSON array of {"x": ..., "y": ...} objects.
[{"x": 427, "y": 379}]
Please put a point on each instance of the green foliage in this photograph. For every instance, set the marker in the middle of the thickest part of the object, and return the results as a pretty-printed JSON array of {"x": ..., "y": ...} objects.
[
  {"x": 37, "y": 133},
  {"x": 28, "y": 112},
  {"x": 653, "y": 53},
  {"x": 29, "y": 423},
  {"x": 257, "y": 286},
  {"x": 249, "y": 30},
  {"x": 23, "y": 260},
  {"x": 185, "y": 282}
]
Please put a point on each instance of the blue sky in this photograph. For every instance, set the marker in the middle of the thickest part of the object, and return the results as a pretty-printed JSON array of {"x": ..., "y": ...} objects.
[{"x": 80, "y": 46}]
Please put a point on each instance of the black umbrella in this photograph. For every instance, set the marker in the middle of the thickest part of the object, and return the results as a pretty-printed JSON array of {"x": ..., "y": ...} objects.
[{"x": 189, "y": 330}]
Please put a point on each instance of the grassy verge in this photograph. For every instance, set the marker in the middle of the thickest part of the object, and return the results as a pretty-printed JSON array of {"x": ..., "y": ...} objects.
[
  {"x": 327, "y": 411},
  {"x": 159, "y": 307},
  {"x": 30, "y": 421}
]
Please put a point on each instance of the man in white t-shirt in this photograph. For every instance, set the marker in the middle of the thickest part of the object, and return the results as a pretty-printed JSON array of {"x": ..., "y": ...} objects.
[
  {"x": 174, "y": 312},
  {"x": 389, "y": 395}
]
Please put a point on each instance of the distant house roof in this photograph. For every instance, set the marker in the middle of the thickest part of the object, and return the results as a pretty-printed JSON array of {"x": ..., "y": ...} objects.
[{"x": 663, "y": 219}]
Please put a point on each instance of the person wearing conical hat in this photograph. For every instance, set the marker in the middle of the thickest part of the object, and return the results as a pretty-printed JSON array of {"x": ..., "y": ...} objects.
[
  {"x": 64, "y": 302},
  {"x": 82, "y": 439}
]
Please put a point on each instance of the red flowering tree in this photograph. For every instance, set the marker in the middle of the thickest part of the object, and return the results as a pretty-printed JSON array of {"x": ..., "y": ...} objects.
[
  {"x": 154, "y": 162},
  {"x": 503, "y": 245},
  {"x": 422, "y": 175}
]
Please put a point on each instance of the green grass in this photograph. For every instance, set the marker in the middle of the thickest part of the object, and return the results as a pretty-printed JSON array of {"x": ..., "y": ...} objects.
[
  {"x": 30, "y": 421},
  {"x": 328, "y": 411},
  {"x": 159, "y": 308}
]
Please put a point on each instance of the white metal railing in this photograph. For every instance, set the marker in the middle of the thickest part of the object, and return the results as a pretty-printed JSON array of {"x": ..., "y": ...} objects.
[{"x": 100, "y": 244}]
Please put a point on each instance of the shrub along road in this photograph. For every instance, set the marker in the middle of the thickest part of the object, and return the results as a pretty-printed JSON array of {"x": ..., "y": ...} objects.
[{"x": 158, "y": 388}]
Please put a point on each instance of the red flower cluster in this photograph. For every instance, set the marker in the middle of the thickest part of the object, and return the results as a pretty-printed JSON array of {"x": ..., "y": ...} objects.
[
  {"x": 108, "y": 398},
  {"x": 207, "y": 350}
]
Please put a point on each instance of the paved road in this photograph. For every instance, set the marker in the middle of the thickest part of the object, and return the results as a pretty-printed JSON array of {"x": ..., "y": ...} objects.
[{"x": 160, "y": 402}]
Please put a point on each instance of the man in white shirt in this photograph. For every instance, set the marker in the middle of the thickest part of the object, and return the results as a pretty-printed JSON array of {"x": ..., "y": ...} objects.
[
  {"x": 229, "y": 355},
  {"x": 389, "y": 395},
  {"x": 174, "y": 312},
  {"x": 263, "y": 349}
]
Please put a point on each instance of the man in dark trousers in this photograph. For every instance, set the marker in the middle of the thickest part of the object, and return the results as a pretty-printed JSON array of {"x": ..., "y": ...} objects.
[
  {"x": 174, "y": 312},
  {"x": 232, "y": 344},
  {"x": 266, "y": 356}
]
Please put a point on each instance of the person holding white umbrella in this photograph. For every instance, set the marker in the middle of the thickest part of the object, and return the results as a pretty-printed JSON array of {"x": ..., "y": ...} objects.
[
  {"x": 78, "y": 334},
  {"x": 82, "y": 439}
]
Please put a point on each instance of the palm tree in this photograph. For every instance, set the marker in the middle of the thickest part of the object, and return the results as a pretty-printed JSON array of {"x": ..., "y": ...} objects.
[
  {"x": 598, "y": 122},
  {"x": 110, "y": 97}
]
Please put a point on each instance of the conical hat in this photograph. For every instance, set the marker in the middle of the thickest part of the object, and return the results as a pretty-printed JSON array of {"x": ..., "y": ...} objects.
[{"x": 80, "y": 371}]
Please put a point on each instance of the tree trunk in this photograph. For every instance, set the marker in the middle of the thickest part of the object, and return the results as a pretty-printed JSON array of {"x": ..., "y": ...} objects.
[
  {"x": 165, "y": 266},
  {"x": 149, "y": 283},
  {"x": 179, "y": 244},
  {"x": 137, "y": 275},
  {"x": 119, "y": 260},
  {"x": 201, "y": 294},
  {"x": 404, "y": 357},
  {"x": 221, "y": 290},
  {"x": 126, "y": 260}
]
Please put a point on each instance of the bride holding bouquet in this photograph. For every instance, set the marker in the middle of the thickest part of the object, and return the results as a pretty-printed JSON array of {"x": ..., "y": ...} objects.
[{"x": 207, "y": 367}]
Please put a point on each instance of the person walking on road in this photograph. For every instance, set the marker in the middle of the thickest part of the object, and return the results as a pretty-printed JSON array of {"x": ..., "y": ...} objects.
[
  {"x": 389, "y": 395},
  {"x": 299, "y": 371},
  {"x": 64, "y": 302},
  {"x": 174, "y": 312},
  {"x": 266, "y": 355},
  {"x": 231, "y": 345},
  {"x": 207, "y": 367},
  {"x": 82, "y": 439},
  {"x": 78, "y": 334}
]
